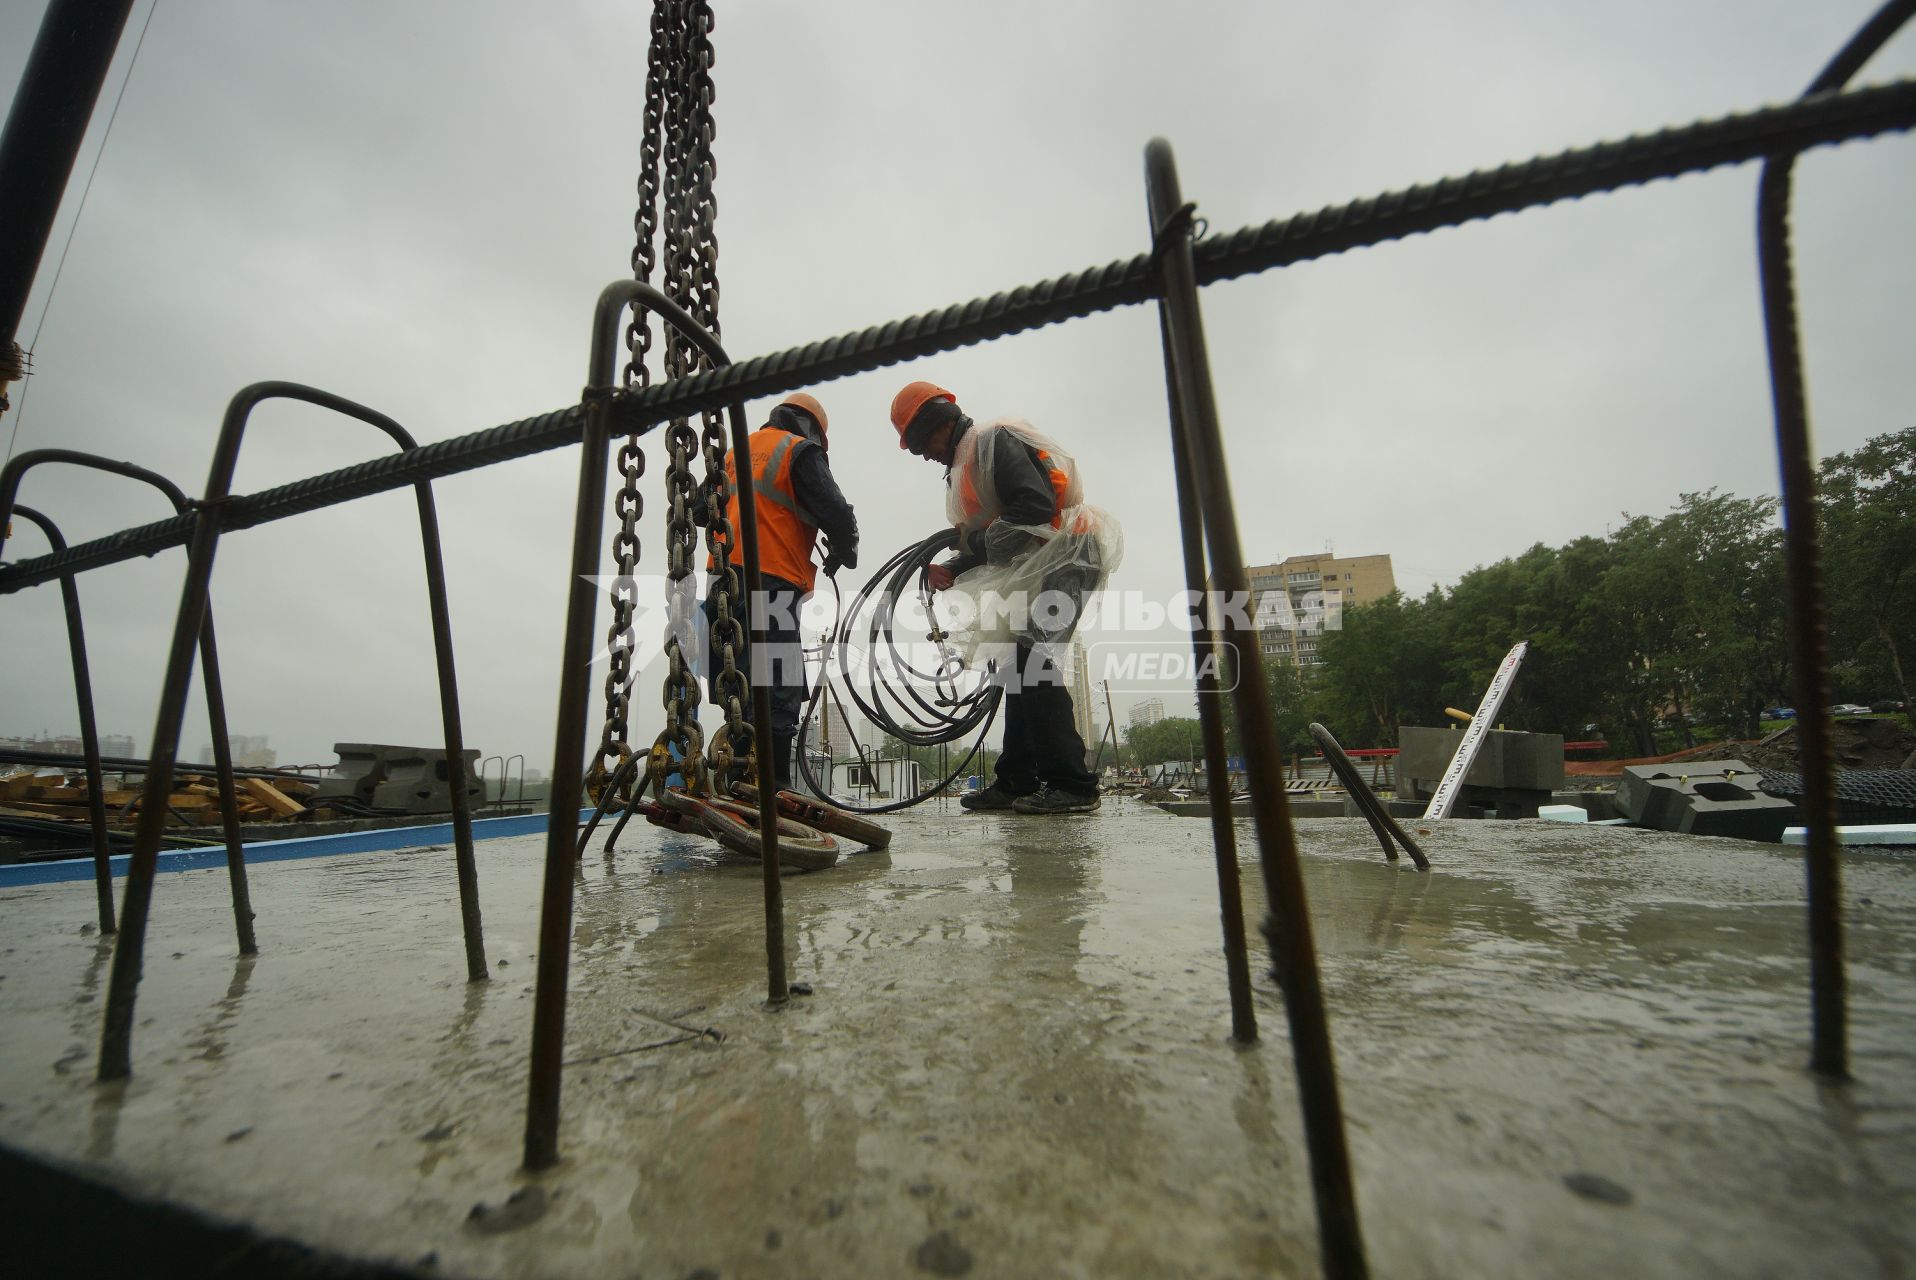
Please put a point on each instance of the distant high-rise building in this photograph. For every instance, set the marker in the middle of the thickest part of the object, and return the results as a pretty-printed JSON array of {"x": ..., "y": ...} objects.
[
  {"x": 1299, "y": 599},
  {"x": 1150, "y": 711},
  {"x": 831, "y": 732},
  {"x": 248, "y": 752},
  {"x": 111, "y": 744},
  {"x": 1081, "y": 693}
]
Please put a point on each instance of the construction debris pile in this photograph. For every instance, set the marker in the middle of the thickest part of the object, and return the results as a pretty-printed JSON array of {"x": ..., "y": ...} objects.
[
  {"x": 46, "y": 803},
  {"x": 1855, "y": 743},
  {"x": 61, "y": 794}
]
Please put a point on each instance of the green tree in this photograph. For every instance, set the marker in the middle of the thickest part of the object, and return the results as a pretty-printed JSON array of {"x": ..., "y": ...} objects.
[
  {"x": 1734, "y": 606},
  {"x": 1383, "y": 667},
  {"x": 1172, "y": 738},
  {"x": 1492, "y": 608},
  {"x": 1288, "y": 688},
  {"x": 1678, "y": 618},
  {"x": 1635, "y": 609},
  {"x": 1868, "y": 501},
  {"x": 1287, "y": 691},
  {"x": 1692, "y": 604},
  {"x": 1567, "y": 674}
]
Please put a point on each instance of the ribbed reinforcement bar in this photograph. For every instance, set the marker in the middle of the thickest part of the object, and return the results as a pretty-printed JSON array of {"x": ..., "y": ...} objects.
[
  {"x": 1819, "y": 120},
  {"x": 89, "y": 730},
  {"x": 1288, "y": 925},
  {"x": 1809, "y": 641}
]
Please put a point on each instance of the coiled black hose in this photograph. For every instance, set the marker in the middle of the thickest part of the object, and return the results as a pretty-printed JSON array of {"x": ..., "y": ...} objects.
[{"x": 918, "y": 707}]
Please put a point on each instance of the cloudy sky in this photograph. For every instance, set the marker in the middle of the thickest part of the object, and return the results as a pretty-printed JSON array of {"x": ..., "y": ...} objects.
[{"x": 414, "y": 204}]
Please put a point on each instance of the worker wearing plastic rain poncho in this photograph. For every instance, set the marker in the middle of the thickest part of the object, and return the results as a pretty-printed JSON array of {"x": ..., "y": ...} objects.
[{"x": 1031, "y": 554}]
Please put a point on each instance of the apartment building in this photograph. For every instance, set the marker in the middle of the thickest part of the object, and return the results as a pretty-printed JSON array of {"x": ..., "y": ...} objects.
[
  {"x": 1081, "y": 693},
  {"x": 833, "y": 735},
  {"x": 1149, "y": 711},
  {"x": 249, "y": 751},
  {"x": 1300, "y": 598},
  {"x": 111, "y": 745}
]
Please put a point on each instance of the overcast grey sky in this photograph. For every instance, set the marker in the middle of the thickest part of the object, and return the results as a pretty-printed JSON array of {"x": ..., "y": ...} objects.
[{"x": 414, "y": 205}]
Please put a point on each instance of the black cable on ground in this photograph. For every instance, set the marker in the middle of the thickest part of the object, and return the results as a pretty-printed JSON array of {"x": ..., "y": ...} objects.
[{"x": 893, "y": 694}]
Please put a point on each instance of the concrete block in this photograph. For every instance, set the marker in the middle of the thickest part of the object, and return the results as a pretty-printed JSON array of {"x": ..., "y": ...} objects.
[
  {"x": 411, "y": 779},
  {"x": 1563, "y": 813},
  {"x": 1507, "y": 760},
  {"x": 1703, "y": 798}
]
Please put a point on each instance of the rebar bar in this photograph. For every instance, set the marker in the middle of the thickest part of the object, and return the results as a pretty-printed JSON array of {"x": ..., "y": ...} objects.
[
  {"x": 89, "y": 725},
  {"x": 11, "y": 476},
  {"x": 1817, "y": 121},
  {"x": 1340, "y": 1237},
  {"x": 1809, "y": 640},
  {"x": 545, "y": 1077},
  {"x": 1387, "y": 829},
  {"x": 1204, "y": 652}
]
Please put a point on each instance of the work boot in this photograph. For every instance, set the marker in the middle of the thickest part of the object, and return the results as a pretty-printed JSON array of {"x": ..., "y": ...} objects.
[
  {"x": 996, "y": 798},
  {"x": 782, "y": 759},
  {"x": 1049, "y": 801}
]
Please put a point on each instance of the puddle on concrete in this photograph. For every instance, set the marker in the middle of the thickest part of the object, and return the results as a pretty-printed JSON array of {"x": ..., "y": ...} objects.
[{"x": 1565, "y": 1051}]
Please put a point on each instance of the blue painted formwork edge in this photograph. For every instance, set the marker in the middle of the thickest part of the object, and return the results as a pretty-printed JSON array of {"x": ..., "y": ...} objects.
[{"x": 260, "y": 851}]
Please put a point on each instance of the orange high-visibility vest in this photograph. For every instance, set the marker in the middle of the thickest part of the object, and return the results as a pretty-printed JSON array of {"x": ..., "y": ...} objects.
[
  {"x": 974, "y": 504},
  {"x": 785, "y": 537}
]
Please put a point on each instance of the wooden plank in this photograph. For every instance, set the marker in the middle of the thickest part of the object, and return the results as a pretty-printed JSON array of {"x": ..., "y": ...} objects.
[
  {"x": 271, "y": 796},
  {"x": 16, "y": 786},
  {"x": 76, "y": 795},
  {"x": 36, "y": 809}
]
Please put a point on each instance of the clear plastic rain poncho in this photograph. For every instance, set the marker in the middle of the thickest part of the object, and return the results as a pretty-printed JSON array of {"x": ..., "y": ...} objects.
[{"x": 1037, "y": 580}]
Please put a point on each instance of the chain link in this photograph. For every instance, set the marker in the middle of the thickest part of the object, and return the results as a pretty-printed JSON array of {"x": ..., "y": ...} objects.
[
  {"x": 701, "y": 267},
  {"x": 677, "y": 206},
  {"x": 629, "y": 502}
]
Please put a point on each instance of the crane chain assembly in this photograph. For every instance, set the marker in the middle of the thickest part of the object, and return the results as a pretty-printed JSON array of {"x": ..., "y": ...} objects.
[
  {"x": 676, "y": 172},
  {"x": 675, "y": 236}
]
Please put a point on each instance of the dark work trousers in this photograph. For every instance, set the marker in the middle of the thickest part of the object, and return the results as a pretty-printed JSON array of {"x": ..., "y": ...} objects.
[
  {"x": 1042, "y": 746},
  {"x": 784, "y": 666}
]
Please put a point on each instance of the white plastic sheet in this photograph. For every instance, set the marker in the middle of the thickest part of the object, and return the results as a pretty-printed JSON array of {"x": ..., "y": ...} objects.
[{"x": 1037, "y": 580}]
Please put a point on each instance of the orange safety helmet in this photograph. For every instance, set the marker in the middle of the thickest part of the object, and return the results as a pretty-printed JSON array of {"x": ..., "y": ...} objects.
[
  {"x": 809, "y": 403},
  {"x": 906, "y": 404}
]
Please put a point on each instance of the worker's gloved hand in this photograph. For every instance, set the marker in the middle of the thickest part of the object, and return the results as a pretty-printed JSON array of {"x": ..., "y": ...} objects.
[
  {"x": 836, "y": 560},
  {"x": 940, "y": 577}
]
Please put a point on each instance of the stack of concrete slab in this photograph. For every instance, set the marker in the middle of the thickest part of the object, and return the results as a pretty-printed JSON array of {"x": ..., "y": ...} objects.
[{"x": 1703, "y": 798}]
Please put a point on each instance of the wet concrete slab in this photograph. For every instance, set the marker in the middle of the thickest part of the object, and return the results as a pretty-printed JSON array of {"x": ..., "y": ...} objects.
[{"x": 1566, "y": 1050}]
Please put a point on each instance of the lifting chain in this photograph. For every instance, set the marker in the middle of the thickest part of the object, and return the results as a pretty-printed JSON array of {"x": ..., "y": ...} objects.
[
  {"x": 734, "y": 742},
  {"x": 676, "y": 173}
]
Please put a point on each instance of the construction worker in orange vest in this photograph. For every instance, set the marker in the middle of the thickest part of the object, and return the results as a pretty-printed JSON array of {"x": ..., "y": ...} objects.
[
  {"x": 796, "y": 500},
  {"x": 1023, "y": 529}
]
